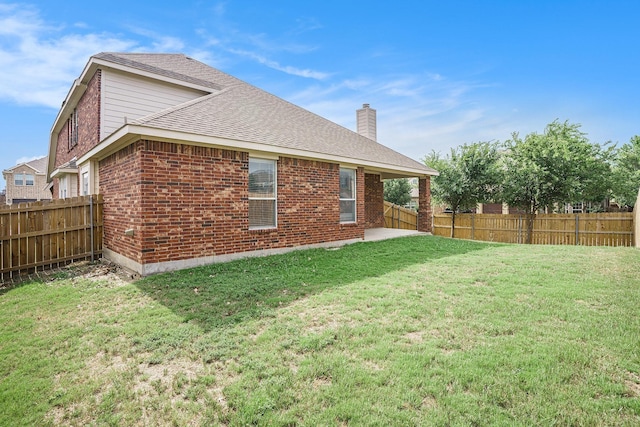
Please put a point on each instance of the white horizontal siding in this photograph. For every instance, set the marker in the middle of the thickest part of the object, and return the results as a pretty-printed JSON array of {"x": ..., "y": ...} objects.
[{"x": 129, "y": 96}]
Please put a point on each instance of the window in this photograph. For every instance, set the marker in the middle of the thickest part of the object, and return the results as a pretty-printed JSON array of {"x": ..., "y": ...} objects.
[
  {"x": 73, "y": 129},
  {"x": 85, "y": 183},
  {"x": 18, "y": 179},
  {"x": 347, "y": 195},
  {"x": 28, "y": 179},
  {"x": 262, "y": 193},
  {"x": 62, "y": 191}
]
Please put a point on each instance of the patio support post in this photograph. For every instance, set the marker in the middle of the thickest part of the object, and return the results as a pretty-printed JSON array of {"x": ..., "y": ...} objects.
[{"x": 424, "y": 204}]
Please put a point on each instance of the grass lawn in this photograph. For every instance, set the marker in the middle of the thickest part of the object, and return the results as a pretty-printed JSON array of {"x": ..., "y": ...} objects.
[{"x": 412, "y": 331}]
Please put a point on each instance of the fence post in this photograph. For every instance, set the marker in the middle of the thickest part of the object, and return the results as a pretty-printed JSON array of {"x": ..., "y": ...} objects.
[
  {"x": 473, "y": 228},
  {"x": 393, "y": 216},
  {"x": 577, "y": 229},
  {"x": 520, "y": 228},
  {"x": 91, "y": 232}
]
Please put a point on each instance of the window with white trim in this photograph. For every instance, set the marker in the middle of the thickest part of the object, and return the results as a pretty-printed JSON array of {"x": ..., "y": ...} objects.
[
  {"x": 29, "y": 179},
  {"x": 347, "y": 195},
  {"x": 62, "y": 187},
  {"x": 262, "y": 193},
  {"x": 85, "y": 183},
  {"x": 18, "y": 179}
]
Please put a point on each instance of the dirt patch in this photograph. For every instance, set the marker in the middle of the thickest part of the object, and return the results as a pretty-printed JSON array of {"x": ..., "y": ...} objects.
[
  {"x": 414, "y": 337},
  {"x": 429, "y": 402},
  {"x": 320, "y": 382},
  {"x": 100, "y": 270},
  {"x": 633, "y": 384}
]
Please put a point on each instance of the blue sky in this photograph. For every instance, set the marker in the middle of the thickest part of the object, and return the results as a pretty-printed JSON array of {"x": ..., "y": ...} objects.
[{"x": 439, "y": 73}]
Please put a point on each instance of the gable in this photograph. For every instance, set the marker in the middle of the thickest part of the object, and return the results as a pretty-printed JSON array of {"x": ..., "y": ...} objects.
[
  {"x": 38, "y": 166},
  {"x": 128, "y": 97}
]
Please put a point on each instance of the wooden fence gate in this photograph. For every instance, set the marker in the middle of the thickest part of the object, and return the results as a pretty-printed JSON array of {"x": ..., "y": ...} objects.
[
  {"x": 49, "y": 234},
  {"x": 398, "y": 217}
]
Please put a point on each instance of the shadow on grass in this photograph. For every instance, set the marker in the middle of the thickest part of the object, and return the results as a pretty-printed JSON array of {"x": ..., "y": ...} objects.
[{"x": 220, "y": 295}]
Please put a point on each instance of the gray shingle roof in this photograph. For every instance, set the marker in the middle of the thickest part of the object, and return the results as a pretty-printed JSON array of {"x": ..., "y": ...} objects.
[
  {"x": 40, "y": 165},
  {"x": 239, "y": 111}
]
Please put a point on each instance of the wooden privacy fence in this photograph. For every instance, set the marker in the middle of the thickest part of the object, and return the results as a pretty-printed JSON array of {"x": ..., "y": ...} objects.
[
  {"x": 398, "y": 217},
  {"x": 45, "y": 235},
  {"x": 594, "y": 229}
]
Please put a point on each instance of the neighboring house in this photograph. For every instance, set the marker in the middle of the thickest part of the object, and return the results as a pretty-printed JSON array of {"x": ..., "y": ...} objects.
[
  {"x": 3, "y": 197},
  {"x": 415, "y": 198},
  {"x": 567, "y": 208},
  {"x": 27, "y": 182},
  {"x": 196, "y": 166}
]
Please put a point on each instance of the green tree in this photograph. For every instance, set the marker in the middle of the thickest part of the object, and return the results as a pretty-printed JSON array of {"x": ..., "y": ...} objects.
[
  {"x": 626, "y": 173},
  {"x": 397, "y": 191},
  {"x": 469, "y": 175},
  {"x": 556, "y": 167}
]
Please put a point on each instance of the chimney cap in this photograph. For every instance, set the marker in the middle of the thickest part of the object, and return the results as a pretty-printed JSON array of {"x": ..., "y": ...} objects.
[{"x": 365, "y": 105}]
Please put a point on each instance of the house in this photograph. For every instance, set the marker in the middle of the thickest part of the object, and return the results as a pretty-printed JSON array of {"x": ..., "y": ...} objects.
[
  {"x": 196, "y": 166},
  {"x": 27, "y": 182}
]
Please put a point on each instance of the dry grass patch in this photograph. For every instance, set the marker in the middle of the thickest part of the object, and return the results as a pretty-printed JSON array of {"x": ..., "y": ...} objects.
[{"x": 418, "y": 331}]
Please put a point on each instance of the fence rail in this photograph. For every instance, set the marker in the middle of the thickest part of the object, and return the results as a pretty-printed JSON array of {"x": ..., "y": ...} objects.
[
  {"x": 398, "y": 217},
  {"x": 595, "y": 229},
  {"x": 45, "y": 235}
]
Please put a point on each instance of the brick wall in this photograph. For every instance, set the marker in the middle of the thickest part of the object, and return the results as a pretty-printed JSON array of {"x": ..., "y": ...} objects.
[
  {"x": 188, "y": 202},
  {"x": 88, "y": 109},
  {"x": 424, "y": 205},
  {"x": 374, "y": 201},
  {"x": 121, "y": 189}
]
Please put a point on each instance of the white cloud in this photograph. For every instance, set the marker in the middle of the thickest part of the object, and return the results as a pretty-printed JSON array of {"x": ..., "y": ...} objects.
[
  {"x": 38, "y": 61},
  {"x": 159, "y": 42},
  {"x": 318, "y": 75},
  {"x": 26, "y": 159}
]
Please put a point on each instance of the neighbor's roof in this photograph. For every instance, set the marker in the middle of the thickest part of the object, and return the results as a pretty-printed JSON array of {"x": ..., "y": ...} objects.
[
  {"x": 38, "y": 165},
  {"x": 238, "y": 111}
]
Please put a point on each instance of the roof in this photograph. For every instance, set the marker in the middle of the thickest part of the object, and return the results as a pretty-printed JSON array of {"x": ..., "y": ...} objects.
[
  {"x": 38, "y": 165},
  {"x": 239, "y": 112}
]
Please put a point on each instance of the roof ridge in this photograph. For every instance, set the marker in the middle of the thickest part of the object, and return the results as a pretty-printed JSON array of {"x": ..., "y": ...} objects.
[
  {"x": 178, "y": 107},
  {"x": 118, "y": 58},
  {"x": 33, "y": 164}
]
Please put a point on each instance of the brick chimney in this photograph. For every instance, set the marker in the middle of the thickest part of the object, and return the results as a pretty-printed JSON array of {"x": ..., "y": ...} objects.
[{"x": 366, "y": 118}]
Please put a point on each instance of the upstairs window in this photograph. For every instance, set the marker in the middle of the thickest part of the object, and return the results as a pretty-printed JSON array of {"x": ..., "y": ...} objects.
[
  {"x": 347, "y": 195},
  {"x": 28, "y": 179},
  {"x": 18, "y": 179},
  {"x": 73, "y": 129},
  {"x": 262, "y": 193}
]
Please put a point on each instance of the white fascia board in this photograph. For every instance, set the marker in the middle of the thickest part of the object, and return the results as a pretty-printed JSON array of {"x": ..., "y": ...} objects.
[
  {"x": 131, "y": 132},
  {"x": 75, "y": 93},
  {"x": 62, "y": 171},
  {"x": 15, "y": 168}
]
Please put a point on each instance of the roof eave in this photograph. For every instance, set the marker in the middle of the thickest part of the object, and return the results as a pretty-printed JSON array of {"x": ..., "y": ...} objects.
[
  {"x": 63, "y": 171},
  {"x": 129, "y": 133}
]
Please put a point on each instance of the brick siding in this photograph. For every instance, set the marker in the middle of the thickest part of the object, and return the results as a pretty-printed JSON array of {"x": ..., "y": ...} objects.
[
  {"x": 424, "y": 205},
  {"x": 121, "y": 189},
  {"x": 88, "y": 109},
  {"x": 188, "y": 202}
]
